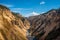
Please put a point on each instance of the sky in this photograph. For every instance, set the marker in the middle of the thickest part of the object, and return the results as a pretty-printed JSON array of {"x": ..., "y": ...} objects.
[{"x": 31, "y": 7}]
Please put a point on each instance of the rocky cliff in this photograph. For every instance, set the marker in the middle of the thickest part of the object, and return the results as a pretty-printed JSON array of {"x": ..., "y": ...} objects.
[
  {"x": 12, "y": 25},
  {"x": 46, "y": 26}
]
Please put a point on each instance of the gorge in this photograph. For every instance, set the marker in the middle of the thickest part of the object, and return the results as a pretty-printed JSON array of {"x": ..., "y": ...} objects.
[{"x": 13, "y": 26}]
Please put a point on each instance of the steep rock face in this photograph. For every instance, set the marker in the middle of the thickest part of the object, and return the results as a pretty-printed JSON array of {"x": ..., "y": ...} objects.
[
  {"x": 46, "y": 26},
  {"x": 12, "y": 26}
]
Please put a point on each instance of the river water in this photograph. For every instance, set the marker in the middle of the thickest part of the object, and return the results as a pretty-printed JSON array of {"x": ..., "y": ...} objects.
[{"x": 29, "y": 36}]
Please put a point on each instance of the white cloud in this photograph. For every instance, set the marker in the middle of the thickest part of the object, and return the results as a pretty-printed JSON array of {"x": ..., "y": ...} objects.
[
  {"x": 43, "y": 12},
  {"x": 42, "y": 2},
  {"x": 20, "y": 9},
  {"x": 17, "y": 11},
  {"x": 27, "y": 15},
  {"x": 32, "y": 14},
  {"x": 8, "y": 5}
]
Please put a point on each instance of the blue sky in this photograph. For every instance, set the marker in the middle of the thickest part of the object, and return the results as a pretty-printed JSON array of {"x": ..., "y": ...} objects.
[{"x": 31, "y": 7}]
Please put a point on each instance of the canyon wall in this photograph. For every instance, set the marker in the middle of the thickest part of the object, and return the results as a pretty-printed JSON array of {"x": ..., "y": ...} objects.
[
  {"x": 13, "y": 26},
  {"x": 46, "y": 26}
]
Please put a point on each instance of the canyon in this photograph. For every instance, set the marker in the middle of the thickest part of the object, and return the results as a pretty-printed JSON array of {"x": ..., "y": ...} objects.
[{"x": 13, "y": 26}]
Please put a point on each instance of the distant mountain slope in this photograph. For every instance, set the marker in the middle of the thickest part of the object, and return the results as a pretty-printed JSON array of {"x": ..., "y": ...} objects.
[
  {"x": 46, "y": 26},
  {"x": 12, "y": 26}
]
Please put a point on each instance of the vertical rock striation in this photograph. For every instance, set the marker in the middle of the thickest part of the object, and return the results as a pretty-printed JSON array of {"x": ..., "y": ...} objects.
[
  {"x": 12, "y": 26},
  {"x": 46, "y": 26}
]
